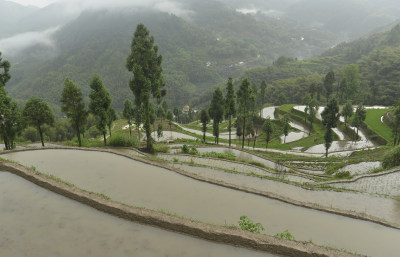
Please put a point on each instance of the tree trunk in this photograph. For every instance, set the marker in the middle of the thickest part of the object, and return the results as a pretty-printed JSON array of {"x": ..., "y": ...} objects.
[
  {"x": 104, "y": 136},
  {"x": 130, "y": 131},
  {"x": 78, "y": 134},
  {"x": 41, "y": 135},
  {"x": 326, "y": 152},
  {"x": 244, "y": 126},
  {"x": 230, "y": 124}
]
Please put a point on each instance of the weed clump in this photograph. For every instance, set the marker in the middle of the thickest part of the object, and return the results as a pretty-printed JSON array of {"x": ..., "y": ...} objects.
[
  {"x": 392, "y": 158},
  {"x": 247, "y": 224},
  {"x": 343, "y": 174},
  {"x": 123, "y": 140},
  {"x": 286, "y": 235}
]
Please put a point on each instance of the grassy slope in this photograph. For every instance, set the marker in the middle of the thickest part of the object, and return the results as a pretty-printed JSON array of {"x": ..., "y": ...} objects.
[{"x": 373, "y": 121}]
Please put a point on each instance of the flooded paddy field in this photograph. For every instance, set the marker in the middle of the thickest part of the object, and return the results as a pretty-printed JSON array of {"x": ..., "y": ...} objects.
[
  {"x": 388, "y": 184},
  {"x": 139, "y": 184},
  {"x": 37, "y": 222},
  {"x": 385, "y": 208}
]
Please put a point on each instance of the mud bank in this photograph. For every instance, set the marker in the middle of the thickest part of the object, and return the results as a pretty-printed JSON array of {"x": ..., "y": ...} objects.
[{"x": 231, "y": 236}]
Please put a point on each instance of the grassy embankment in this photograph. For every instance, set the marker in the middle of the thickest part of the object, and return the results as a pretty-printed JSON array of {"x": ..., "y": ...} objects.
[{"x": 373, "y": 121}]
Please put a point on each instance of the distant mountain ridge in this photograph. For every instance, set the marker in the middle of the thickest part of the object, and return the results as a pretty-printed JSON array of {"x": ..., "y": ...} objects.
[{"x": 198, "y": 53}]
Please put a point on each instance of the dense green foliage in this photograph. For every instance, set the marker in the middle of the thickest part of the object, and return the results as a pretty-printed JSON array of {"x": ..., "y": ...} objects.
[
  {"x": 74, "y": 108},
  {"x": 216, "y": 112},
  {"x": 330, "y": 117},
  {"x": 123, "y": 140},
  {"x": 38, "y": 113},
  {"x": 147, "y": 80},
  {"x": 392, "y": 158},
  {"x": 99, "y": 105}
]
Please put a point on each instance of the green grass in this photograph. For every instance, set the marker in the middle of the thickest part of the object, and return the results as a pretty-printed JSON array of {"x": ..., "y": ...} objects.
[{"x": 373, "y": 121}]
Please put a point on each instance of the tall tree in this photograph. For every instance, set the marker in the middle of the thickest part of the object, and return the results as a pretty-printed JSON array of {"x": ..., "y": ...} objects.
[
  {"x": 286, "y": 127},
  {"x": 329, "y": 80},
  {"x": 10, "y": 115},
  {"x": 137, "y": 119},
  {"x": 5, "y": 74},
  {"x": 347, "y": 112},
  {"x": 145, "y": 64},
  {"x": 99, "y": 104},
  {"x": 312, "y": 107},
  {"x": 170, "y": 116},
  {"x": 111, "y": 117},
  {"x": 216, "y": 111},
  {"x": 73, "y": 107},
  {"x": 128, "y": 114},
  {"x": 306, "y": 100},
  {"x": 330, "y": 117},
  {"x": 268, "y": 129},
  {"x": 243, "y": 96},
  {"x": 359, "y": 117},
  {"x": 37, "y": 113},
  {"x": 11, "y": 123},
  {"x": 230, "y": 105},
  {"x": 176, "y": 113},
  {"x": 396, "y": 125},
  {"x": 351, "y": 82},
  {"x": 204, "y": 119},
  {"x": 263, "y": 92}
]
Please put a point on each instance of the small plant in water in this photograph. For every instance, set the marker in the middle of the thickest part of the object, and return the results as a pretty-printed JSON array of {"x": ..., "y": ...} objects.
[
  {"x": 286, "y": 235},
  {"x": 247, "y": 224},
  {"x": 176, "y": 159}
]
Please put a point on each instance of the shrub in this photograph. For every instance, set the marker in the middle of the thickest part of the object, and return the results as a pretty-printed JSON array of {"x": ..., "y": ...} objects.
[
  {"x": 185, "y": 149},
  {"x": 161, "y": 148},
  {"x": 286, "y": 235},
  {"x": 342, "y": 174},
  {"x": 392, "y": 158},
  {"x": 192, "y": 150},
  {"x": 123, "y": 140},
  {"x": 247, "y": 224}
]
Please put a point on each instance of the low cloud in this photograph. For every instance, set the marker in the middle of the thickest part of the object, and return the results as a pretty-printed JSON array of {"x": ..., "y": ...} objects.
[
  {"x": 17, "y": 43},
  {"x": 168, "y": 6}
]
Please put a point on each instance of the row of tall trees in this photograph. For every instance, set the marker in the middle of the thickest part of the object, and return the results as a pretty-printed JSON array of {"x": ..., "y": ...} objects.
[{"x": 245, "y": 104}]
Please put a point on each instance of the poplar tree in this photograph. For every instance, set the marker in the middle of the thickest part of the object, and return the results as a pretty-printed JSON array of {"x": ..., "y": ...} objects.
[
  {"x": 147, "y": 80},
  {"x": 37, "y": 113},
  {"x": 99, "y": 104},
  {"x": 73, "y": 107},
  {"x": 128, "y": 114},
  {"x": 263, "y": 91},
  {"x": 329, "y": 80},
  {"x": 243, "y": 96},
  {"x": 111, "y": 117},
  {"x": 347, "y": 112},
  {"x": 268, "y": 129},
  {"x": 330, "y": 117},
  {"x": 359, "y": 117},
  {"x": 216, "y": 111},
  {"x": 204, "y": 119},
  {"x": 286, "y": 127},
  {"x": 230, "y": 105}
]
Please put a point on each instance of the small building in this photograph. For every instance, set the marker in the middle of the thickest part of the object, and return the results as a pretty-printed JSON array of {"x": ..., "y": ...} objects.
[{"x": 186, "y": 109}]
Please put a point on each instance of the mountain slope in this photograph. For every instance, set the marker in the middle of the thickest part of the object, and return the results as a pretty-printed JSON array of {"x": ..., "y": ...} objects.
[{"x": 198, "y": 52}]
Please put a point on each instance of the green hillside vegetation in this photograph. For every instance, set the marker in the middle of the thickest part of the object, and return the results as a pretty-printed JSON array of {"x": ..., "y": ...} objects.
[
  {"x": 216, "y": 42},
  {"x": 373, "y": 121},
  {"x": 377, "y": 58}
]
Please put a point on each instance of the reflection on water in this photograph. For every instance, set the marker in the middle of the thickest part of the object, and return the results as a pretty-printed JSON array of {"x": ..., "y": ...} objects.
[
  {"x": 135, "y": 183},
  {"x": 361, "y": 168},
  {"x": 268, "y": 112},
  {"x": 37, "y": 222}
]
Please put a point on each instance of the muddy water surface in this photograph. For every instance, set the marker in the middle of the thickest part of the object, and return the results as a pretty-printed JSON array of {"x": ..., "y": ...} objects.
[
  {"x": 384, "y": 208},
  {"x": 37, "y": 222},
  {"x": 139, "y": 184}
]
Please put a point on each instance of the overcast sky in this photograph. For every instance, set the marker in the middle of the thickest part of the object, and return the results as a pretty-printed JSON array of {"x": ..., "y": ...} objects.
[{"x": 38, "y": 3}]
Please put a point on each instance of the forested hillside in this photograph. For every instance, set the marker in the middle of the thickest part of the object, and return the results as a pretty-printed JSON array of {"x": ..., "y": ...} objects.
[
  {"x": 378, "y": 59},
  {"x": 199, "y": 51}
]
